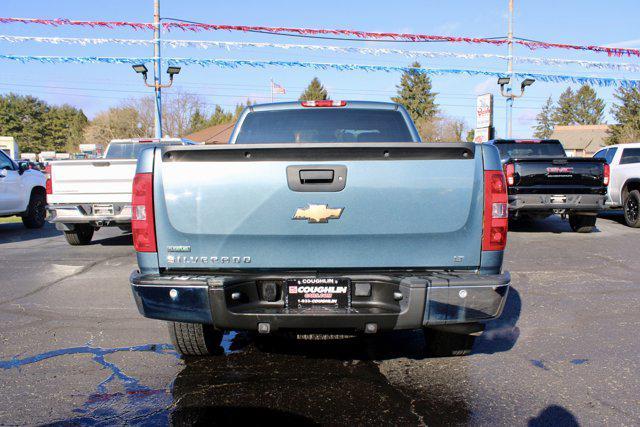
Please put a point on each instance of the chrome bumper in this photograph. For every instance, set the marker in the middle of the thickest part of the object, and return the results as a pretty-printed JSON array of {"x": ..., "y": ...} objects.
[
  {"x": 440, "y": 299},
  {"x": 81, "y": 214}
]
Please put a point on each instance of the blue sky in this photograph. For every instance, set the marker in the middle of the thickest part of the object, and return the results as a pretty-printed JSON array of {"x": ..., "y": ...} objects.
[{"x": 95, "y": 87}]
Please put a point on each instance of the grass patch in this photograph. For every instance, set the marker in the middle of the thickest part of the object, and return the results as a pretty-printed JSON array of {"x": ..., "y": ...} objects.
[{"x": 9, "y": 219}]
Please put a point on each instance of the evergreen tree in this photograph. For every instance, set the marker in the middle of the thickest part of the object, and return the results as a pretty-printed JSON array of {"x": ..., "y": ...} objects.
[
  {"x": 314, "y": 92},
  {"x": 544, "y": 127},
  {"x": 220, "y": 116},
  {"x": 38, "y": 126},
  {"x": 198, "y": 121},
  {"x": 627, "y": 114},
  {"x": 565, "y": 113},
  {"x": 415, "y": 94},
  {"x": 589, "y": 109}
]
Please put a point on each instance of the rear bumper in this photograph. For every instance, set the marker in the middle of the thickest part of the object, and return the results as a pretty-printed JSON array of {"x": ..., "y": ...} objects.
[
  {"x": 549, "y": 202},
  {"x": 82, "y": 214},
  {"x": 435, "y": 299}
]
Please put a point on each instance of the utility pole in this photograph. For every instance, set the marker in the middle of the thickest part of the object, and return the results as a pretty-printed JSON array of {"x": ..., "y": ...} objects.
[
  {"x": 157, "y": 66},
  {"x": 157, "y": 85},
  {"x": 510, "y": 72}
]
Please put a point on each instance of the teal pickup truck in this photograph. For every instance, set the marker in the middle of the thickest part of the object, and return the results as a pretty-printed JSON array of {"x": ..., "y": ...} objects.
[{"x": 321, "y": 217}]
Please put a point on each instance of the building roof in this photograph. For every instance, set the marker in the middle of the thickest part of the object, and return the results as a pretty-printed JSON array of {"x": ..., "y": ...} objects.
[
  {"x": 581, "y": 137},
  {"x": 218, "y": 134}
]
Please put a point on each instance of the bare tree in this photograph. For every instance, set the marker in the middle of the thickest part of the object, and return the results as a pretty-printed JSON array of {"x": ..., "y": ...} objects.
[
  {"x": 116, "y": 122},
  {"x": 441, "y": 129},
  {"x": 177, "y": 110}
]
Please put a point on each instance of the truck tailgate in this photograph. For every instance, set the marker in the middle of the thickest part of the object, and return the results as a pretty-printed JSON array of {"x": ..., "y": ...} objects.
[
  {"x": 563, "y": 175},
  {"x": 78, "y": 181},
  {"x": 402, "y": 206}
]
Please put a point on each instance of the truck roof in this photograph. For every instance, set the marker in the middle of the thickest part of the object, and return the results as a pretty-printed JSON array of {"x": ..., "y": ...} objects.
[
  {"x": 524, "y": 141},
  {"x": 628, "y": 145},
  {"x": 348, "y": 104},
  {"x": 151, "y": 140}
]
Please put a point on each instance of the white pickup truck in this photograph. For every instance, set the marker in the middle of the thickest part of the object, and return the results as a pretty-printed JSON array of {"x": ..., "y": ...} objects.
[
  {"x": 22, "y": 192},
  {"x": 84, "y": 195},
  {"x": 624, "y": 188}
]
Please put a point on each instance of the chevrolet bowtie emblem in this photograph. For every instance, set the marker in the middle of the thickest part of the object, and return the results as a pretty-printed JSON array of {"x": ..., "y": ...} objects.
[{"x": 318, "y": 213}]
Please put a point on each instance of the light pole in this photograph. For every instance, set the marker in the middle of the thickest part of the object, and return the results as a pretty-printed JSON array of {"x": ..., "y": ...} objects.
[
  {"x": 509, "y": 73},
  {"x": 172, "y": 71},
  {"x": 157, "y": 65},
  {"x": 508, "y": 93}
]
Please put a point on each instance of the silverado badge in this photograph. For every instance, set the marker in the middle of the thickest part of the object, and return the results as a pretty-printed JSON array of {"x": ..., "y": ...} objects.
[{"x": 318, "y": 213}]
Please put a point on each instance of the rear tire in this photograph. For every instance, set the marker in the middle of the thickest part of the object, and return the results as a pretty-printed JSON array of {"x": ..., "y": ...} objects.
[
  {"x": 35, "y": 215},
  {"x": 632, "y": 209},
  {"x": 582, "y": 223},
  {"x": 81, "y": 235},
  {"x": 446, "y": 344},
  {"x": 194, "y": 339}
]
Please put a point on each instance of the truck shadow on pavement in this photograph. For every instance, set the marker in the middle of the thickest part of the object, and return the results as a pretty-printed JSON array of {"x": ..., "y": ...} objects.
[
  {"x": 321, "y": 383},
  {"x": 16, "y": 232},
  {"x": 332, "y": 382},
  {"x": 553, "y": 224},
  {"x": 125, "y": 239}
]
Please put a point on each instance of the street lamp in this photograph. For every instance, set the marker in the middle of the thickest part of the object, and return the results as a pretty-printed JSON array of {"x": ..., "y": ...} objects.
[
  {"x": 504, "y": 81},
  {"x": 142, "y": 69}
]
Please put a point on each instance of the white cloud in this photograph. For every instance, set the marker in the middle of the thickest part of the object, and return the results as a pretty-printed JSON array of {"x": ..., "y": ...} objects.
[
  {"x": 487, "y": 86},
  {"x": 447, "y": 28},
  {"x": 525, "y": 118},
  {"x": 624, "y": 43}
]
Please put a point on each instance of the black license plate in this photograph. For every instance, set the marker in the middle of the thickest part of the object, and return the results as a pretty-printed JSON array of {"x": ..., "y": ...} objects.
[{"x": 318, "y": 292}]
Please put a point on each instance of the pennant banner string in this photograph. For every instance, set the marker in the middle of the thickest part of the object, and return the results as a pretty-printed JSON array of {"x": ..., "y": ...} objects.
[
  {"x": 227, "y": 63},
  {"x": 206, "y": 44},
  {"x": 186, "y": 26}
]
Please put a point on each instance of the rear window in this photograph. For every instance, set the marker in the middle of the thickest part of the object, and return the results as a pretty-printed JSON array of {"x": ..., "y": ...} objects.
[
  {"x": 324, "y": 125},
  {"x": 129, "y": 151},
  {"x": 523, "y": 150},
  {"x": 630, "y": 155}
]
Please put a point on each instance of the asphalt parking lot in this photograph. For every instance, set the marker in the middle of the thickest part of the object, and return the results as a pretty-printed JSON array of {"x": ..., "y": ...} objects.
[{"x": 566, "y": 351}]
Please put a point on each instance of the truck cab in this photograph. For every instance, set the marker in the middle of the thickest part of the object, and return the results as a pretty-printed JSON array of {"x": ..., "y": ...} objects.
[{"x": 22, "y": 192}]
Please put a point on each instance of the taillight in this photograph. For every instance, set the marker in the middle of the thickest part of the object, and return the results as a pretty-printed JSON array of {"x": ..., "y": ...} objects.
[
  {"x": 142, "y": 224},
  {"x": 509, "y": 172},
  {"x": 49, "y": 184},
  {"x": 607, "y": 174},
  {"x": 496, "y": 212},
  {"x": 324, "y": 103}
]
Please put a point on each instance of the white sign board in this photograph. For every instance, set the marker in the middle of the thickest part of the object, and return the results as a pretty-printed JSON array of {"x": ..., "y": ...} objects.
[{"x": 484, "y": 111}]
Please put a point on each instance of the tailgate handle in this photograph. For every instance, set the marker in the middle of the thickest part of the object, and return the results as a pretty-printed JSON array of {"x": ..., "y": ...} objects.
[
  {"x": 315, "y": 178},
  {"x": 319, "y": 176},
  {"x": 101, "y": 164}
]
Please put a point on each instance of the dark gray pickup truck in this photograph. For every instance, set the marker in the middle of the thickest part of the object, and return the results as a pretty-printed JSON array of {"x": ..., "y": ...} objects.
[
  {"x": 321, "y": 217},
  {"x": 542, "y": 180}
]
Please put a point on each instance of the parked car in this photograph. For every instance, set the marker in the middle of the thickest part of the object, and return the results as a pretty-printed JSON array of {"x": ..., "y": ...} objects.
[
  {"x": 85, "y": 195},
  {"x": 22, "y": 192},
  {"x": 322, "y": 217},
  {"x": 543, "y": 181},
  {"x": 624, "y": 188}
]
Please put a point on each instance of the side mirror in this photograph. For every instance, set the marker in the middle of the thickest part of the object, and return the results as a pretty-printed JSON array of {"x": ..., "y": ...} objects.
[{"x": 22, "y": 166}]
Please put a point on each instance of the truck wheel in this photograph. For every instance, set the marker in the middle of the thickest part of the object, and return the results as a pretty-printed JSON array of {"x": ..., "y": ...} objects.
[
  {"x": 194, "y": 339},
  {"x": 632, "y": 209},
  {"x": 36, "y": 212},
  {"x": 582, "y": 223},
  {"x": 80, "y": 235},
  {"x": 445, "y": 344}
]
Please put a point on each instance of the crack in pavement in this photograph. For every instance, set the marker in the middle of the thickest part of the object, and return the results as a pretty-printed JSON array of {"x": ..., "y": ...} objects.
[{"x": 82, "y": 270}]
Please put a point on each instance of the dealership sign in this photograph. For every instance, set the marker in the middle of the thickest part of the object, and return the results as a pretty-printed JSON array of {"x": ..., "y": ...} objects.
[{"x": 484, "y": 111}]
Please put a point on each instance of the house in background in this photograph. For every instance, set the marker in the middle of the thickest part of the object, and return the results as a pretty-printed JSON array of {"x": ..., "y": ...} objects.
[
  {"x": 581, "y": 140},
  {"x": 218, "y": 134}
]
